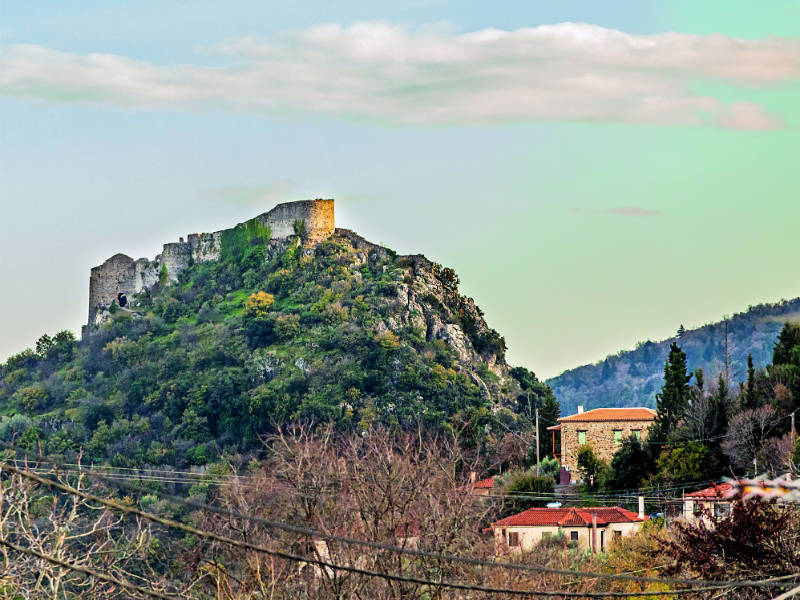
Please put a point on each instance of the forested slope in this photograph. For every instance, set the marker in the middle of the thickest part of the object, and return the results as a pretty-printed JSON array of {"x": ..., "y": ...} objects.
[{"x": 632, "y": 378}]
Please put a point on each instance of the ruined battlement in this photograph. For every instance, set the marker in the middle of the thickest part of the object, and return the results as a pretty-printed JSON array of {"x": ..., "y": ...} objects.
[{"x": 121, "y": 274}]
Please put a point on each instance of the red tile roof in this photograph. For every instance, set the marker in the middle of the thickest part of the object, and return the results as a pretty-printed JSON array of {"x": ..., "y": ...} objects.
[
  {"x": 612, "y": 414},
  {"x": 483, "y": 484},
  {"x": 576, "y": 516},
  {"x": 719, "y": 491}
]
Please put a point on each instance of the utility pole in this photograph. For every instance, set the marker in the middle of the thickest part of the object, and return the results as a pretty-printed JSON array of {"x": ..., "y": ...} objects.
[
  {"x": 793, "y": 430},
  {"x": 537, "y": 440}
]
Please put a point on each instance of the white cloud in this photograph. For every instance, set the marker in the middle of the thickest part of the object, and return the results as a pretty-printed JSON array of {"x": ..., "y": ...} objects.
[{"x": 562, "y": 72}]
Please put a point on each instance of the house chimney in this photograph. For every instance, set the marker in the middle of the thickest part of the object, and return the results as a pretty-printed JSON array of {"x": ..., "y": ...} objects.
[
  {"x": 641, "y": 507},
  {"x": 473, "y": 476},
  {"x": 580, "y": 408}
]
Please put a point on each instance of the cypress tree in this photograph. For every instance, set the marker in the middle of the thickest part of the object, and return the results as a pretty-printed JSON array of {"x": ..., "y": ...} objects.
[
  {"x": 717, "y": 416},
  {"x": 750, "y": 399},
  {"x": 671, "y": 403}
]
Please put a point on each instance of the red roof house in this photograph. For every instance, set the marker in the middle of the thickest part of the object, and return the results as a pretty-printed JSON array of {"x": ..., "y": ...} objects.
[
  {"x": 714, "y": 499},
  {"x": 590, "y": 527}
]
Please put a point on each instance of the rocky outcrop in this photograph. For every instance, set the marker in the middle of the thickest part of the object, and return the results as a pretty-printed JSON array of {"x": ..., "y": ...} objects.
[{"x": 427, "y": 301}]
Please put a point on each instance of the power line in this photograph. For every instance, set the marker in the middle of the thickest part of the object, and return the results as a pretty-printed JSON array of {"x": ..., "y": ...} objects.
[
  {"x": 87, "y": 571},
  {"x": 475, "y": 562},
  {"x": 326, "y": 564}
]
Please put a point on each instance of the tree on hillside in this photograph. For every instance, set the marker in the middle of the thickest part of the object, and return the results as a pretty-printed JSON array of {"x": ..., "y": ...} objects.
[
  {"x": 788, "y": 339},
  {"x": 537, "y": 394},
  {"x": 718, "y": 413},
  {"x": 688, "y": 463},
  {"x": 750, "y": 398},
  {"x": 747, "y": 443},
  {"x": 630, "y": 466},
  {"x": 671, "y": 403},
  {"x": 785, "y": 368},
  {"x": 592, "y": 469}
]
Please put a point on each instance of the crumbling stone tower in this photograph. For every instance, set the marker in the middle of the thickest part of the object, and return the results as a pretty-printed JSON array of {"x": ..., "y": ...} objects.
[{"x": 120, "y": 274}]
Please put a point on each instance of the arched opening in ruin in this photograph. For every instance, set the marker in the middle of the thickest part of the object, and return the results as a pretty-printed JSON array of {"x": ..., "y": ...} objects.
[{"x": 122, "y": 300}]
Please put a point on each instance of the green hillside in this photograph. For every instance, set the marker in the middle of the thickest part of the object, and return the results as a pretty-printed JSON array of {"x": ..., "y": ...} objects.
[
  {"x": 632, "y": 378},
  {"x": 271, "y": 333}
]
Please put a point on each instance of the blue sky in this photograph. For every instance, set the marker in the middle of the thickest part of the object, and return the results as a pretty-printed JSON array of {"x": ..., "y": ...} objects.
[{"x": 580, "y": 222}]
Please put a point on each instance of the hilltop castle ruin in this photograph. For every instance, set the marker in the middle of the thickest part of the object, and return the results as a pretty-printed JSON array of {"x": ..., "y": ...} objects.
[{"x": 121, "y": 275}]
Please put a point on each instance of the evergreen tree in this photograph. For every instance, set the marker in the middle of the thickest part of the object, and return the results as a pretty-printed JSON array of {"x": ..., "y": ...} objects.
[
  {"x": 606, "y": 372},
  {"x": 537, "y": 394},
  {"x": 674, "y": 397},
  {"x": 788, "y": 339},
  {"x": 750, "y": 397},
  {"x": 630, "y": 465},
  {"x": 699, "y": 379},
  {"x": 681, "y": 331},
  {"x": 717, "y": 415}
]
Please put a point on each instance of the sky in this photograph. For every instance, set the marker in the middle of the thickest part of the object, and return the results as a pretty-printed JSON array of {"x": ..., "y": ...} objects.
[{"x": 597, "y": 173}]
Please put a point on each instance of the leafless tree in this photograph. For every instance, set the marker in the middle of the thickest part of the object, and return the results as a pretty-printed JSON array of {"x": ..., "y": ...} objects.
[
  {"x": 748, "y": 432},
  {"x": 72, "y": 530},
  {"x": 394, "y": 488}
]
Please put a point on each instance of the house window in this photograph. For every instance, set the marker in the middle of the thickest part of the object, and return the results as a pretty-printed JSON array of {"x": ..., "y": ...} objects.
[
  {"x": 721, "y": 509},
  {"x": 573, "y": 536},
  {"x": 513, "y": 538},
  {"x": 546, "y": 535},
  {"x": 698, "y": 509},
  {"x": 617, "y": 534},
  {"x": 637, "y": 433},
  {"x": 581, "y": 438},
  {"x": 618, "y": 436}
]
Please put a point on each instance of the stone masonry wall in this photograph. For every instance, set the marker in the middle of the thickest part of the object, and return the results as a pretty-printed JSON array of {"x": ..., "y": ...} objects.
[
  {"x": 121, "y": 274},
  {"x": 318, "y": 216},
  {"x": 599, "y": 435},
  {"x": 176, "y": 257},
  {"x": 117, "y": 274},
  {"x": 205, "y": 246}
]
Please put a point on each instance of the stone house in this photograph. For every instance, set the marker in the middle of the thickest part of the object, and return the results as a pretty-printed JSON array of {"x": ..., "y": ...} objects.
[
  {"x": 601, "y": 428},
  {"x": 587, "y": 528}
]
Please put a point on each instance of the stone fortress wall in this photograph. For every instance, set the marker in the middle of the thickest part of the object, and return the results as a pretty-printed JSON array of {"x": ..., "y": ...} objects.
[{"x": 121, "y": 274}]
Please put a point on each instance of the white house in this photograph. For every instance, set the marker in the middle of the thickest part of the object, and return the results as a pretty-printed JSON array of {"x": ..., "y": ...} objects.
[
  {"x": 715, "y": 500},
  {"x": 592, "y": 528}
]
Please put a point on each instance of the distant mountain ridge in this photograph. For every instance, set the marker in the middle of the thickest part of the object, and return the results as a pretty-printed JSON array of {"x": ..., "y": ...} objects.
[{"x": 633, "y": 377}]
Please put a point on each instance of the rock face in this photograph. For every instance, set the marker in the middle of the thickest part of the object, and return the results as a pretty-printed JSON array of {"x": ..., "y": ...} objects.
[
  {"x": 431, "y": 304},
  {"x": 121, "y": 274}
]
